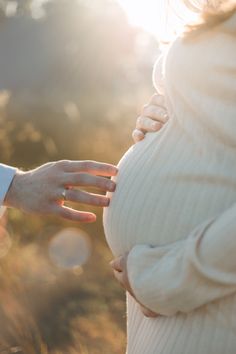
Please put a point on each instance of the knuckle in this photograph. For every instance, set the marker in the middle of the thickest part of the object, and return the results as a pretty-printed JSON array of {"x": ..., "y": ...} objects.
[
  {"x": 137, "y": 135},
  {"x": 145, "y": 106},
  {"x": 139, "y": 122},
  {"x": 161, "y": 111},
  {"x": 76, "y": 196},
  {"x": 163, "y": 114},
  {"x": 82, "y": 165},
  {"x": 153, "y": 110},
  {"x": 61, "y": 212},
  {"x": 147, "y": 123},
  {"x": 80, "y": 178},
  {"x": 134, "y": 136},
  {"x": 149, "y": 111},
  {"x": 160, "y": 100},
  {"x": 145, "y": 109},
  {"x": 69, "y": 181},
  {"x": 86, "y": 165},
  {"x": 154, "y": 98},
  {"x": 55, "y": 195},
  {"x": 61, "y": 164},
  {"x": 70, "y": 195}
]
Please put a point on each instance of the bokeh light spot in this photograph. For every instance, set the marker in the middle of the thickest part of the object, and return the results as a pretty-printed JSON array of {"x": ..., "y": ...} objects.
[{"x": 70, "y": 248}]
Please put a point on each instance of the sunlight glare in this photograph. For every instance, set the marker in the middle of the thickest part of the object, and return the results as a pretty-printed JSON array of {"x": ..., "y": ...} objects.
[
  {"x": 150, "y": 15},
  {"x": 143, "y": 14}
]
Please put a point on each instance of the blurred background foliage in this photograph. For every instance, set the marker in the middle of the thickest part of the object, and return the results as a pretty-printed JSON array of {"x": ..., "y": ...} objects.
[{"x": 73, "y": 77}]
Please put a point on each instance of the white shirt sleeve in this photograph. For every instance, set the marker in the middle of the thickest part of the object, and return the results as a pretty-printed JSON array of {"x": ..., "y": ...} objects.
[{"x": 6, "y": 176}]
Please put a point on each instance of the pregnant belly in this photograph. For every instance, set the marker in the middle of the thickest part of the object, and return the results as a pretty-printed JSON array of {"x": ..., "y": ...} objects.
[{"x": 164, "y": 190}]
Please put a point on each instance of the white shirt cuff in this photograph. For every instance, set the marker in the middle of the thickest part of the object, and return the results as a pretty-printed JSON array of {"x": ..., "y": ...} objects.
[{"x": 6, "y": 176}]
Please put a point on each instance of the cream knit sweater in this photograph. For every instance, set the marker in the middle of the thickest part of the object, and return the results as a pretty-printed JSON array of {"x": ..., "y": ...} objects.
[{"x": 174, "y": 208}]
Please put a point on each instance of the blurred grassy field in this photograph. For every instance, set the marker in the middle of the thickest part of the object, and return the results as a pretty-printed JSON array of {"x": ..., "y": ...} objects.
[{"x": 72, "y": 85}]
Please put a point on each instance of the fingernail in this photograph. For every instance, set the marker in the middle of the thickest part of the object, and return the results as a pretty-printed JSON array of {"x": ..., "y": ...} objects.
[
  {"x": 91, "y": 218},
  {"x": 111, "y": 186},
  {"x": 155, "y": 125},
  {"x": 115, "y": 169},
  {"x": 166, "y": 117},
  {"x": 107, "y": 202}
]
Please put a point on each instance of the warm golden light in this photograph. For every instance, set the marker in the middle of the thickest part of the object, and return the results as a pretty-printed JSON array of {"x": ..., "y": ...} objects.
[{"x": 159, "y": 17}]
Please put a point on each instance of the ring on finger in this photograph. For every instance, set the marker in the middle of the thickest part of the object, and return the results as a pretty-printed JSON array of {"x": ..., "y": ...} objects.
[{"x": 63, "y": 194}]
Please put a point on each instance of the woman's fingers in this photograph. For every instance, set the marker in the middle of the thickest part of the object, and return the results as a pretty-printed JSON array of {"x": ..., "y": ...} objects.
[
  {"x": 155, "y": 112},
  {"x": 153, "y": 117},
  {"x": 147, "y": 312},
  {"x": 138, "y": 135},
  {"x": 147, "y": 124},
  {"x": 118, "y": 264},
  {"x": 85, "y": 179},
  {"x": 123, "y": 280},
  {"x": 143, "y": 126},
  {"x": 158, "y": 100},
  {"x": 78, "y": 196}
]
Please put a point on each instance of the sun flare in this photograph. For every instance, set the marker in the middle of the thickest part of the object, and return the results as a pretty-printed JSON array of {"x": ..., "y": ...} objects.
[{"x": 150, "y": 15}]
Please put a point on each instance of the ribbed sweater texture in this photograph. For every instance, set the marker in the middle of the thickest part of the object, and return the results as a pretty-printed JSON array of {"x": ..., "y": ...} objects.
[{"x": 174, "y": 209}]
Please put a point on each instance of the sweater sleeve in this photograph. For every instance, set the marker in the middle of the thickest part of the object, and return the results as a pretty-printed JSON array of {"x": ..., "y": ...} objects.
[
  {"x": 187, "y": 274},
  {"x": 6, "y": 176}
]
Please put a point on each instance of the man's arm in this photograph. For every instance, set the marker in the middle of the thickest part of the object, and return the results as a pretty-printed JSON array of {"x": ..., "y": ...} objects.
[{"x": 44, "y": 190}]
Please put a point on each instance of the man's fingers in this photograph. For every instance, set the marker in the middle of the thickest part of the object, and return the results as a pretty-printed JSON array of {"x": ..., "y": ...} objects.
[
  {"x": 83, "y": 197},
  {"x": 85, "y": 179},
  {"x": 93, "y": 167},
  {"x": 74, "y": 215},
  {"x": 156, "y": 113},
  {"x": 147, "y": 124}
]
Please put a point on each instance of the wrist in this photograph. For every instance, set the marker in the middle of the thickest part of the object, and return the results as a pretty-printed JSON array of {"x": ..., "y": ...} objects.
[{"x": 13, "y": 196}]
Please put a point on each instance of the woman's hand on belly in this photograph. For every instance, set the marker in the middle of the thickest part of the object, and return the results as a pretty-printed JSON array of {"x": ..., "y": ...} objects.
[
  {"x": 152, "y": 118},
  {"x": 119, "y": 266}
]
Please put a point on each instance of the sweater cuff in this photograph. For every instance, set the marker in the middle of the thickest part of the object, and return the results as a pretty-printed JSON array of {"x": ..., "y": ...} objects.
[{"x": 148, "y": 269}]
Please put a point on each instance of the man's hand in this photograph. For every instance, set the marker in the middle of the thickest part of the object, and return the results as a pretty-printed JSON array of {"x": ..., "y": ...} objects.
[
  {"x": 119, "y": 266},
  {"x": 153, "y": 117},
  {"x": 45, "y": 189}
]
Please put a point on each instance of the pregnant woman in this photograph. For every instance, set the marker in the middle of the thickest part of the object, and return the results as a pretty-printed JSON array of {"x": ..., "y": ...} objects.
[{"x": 172, "y": 221}]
